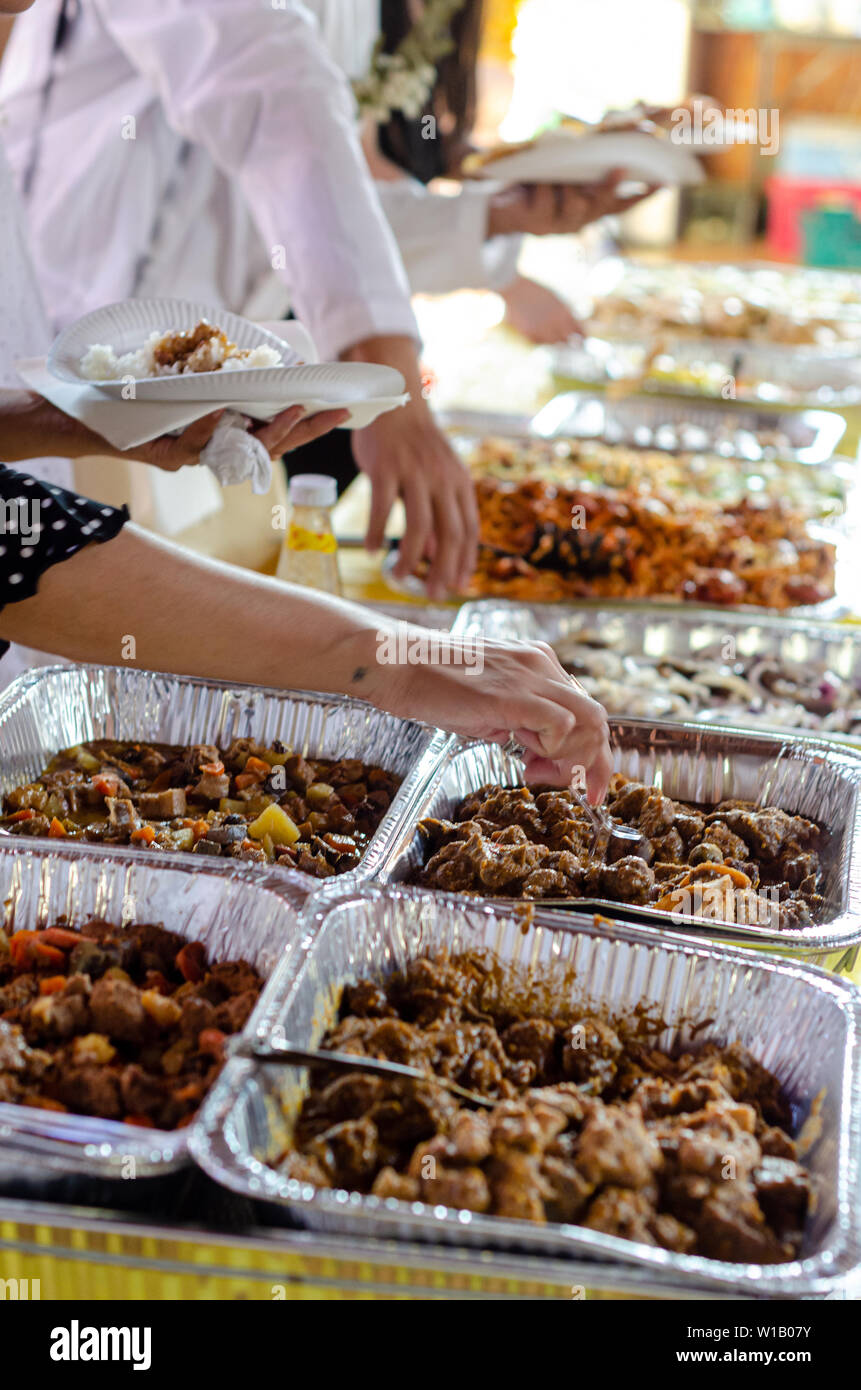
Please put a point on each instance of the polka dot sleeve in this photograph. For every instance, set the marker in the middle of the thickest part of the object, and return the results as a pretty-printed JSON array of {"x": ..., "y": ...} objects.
[{"x": 41, "y": 525}]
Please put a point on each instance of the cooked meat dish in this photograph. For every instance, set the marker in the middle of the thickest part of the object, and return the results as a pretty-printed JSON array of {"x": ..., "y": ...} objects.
[
  {"x": 204, "y": 348},
  {"x": 128, "y": 1023},
  {"x": 625, "y": 544},
  {"x": 569, "y": 518},
  {"x": 243, "y": 802},
  {"x": 594, "y": 1125},
  {"x": 735, "y": 862}
]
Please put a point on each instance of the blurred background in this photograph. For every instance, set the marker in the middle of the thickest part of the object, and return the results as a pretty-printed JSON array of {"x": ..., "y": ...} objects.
[{"x": 801, "y": 58}]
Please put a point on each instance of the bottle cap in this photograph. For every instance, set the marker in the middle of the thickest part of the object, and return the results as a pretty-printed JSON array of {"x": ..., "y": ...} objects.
[{"x": 313, "y": 490}]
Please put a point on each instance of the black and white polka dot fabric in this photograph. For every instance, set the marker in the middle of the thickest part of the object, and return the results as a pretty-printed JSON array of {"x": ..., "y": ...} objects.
[{"x": 41, "y": 525}]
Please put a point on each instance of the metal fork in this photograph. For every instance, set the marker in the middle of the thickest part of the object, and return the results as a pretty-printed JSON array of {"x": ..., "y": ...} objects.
[{"x": 604, "y": 829}]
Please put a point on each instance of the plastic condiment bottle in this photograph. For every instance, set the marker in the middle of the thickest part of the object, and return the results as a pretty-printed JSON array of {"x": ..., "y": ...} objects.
[{"x": 309, "y": 554}]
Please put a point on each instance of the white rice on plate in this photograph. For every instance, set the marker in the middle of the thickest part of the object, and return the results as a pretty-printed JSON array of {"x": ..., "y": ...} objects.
[{"x": 102, "y": 363}]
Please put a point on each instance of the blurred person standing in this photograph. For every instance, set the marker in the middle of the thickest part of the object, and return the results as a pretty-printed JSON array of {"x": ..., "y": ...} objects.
[
  {"x": 414, "y": 65},
  {"x": 188, "y": 147}
]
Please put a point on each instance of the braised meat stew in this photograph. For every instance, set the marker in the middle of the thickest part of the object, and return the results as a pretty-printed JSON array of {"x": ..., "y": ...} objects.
[
  {"x": 243, "y": 802},
  {"x": 735, "y": 861},
  {"x": 124, "y": 1023},
  {"x": 594, "y": 1125}
]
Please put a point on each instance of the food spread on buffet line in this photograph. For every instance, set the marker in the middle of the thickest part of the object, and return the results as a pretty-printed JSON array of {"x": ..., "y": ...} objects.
[
  {"x": 549, "y": 1107},
  {"x": 127, "y": 1024},
  {"x": 778, "y": 335},
  {"x": 245, "y": 802},
  {"x": 760, "y": 303},
  {"x": 753, "y": 863},
  {"x": 590, "y": 1123},
  {"x": 580, "y": 519},
  {"x": 768, "y": 691}
]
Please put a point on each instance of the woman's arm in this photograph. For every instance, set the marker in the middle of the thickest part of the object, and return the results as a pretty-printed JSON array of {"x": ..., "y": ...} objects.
[
  {"x": 31, "y": 428},
  {"x": 141, "y": 601}
]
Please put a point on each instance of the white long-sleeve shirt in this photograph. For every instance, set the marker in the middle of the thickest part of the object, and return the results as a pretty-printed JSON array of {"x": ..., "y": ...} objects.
[
  {"x": 23, "y": 325},
  {"x": 187, "y": 147},
  {"x": 442, "y": 237},
  {"x": 23, "y": 332}
]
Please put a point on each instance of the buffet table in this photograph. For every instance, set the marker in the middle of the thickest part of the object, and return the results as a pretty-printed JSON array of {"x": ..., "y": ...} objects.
[{"x": 328, "y": 874}]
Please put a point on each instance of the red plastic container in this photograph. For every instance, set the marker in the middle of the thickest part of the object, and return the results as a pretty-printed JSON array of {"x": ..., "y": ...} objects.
[{"x": 789, "y": 199}]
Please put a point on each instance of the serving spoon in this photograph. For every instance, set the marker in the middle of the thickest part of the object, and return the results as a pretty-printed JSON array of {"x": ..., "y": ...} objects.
[
  {"x": 606, "y": 831},
  {"x": 289, "y": 1054}
]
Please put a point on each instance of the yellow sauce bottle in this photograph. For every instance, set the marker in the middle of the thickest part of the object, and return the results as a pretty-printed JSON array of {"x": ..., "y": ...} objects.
[{"x": 309, "y": 554}]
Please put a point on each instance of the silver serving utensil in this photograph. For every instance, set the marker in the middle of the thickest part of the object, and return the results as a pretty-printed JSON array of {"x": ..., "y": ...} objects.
[
  {"x": 288, "y": 1053},
  {"x": 606, "y": 831}
]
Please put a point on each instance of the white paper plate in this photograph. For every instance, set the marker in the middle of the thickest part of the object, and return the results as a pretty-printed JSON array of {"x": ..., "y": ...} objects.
[
  {"x": 125, "y": 326},
  {"x": 362, "y": 411},
  {"x": 564, "y": 156}
]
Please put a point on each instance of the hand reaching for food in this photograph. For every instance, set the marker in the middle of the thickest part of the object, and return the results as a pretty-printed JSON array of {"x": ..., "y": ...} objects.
[
  {"x": 493, "y": 690},
  {"x": 406, "y": 455},
  {"x": 539, "y": 314}
]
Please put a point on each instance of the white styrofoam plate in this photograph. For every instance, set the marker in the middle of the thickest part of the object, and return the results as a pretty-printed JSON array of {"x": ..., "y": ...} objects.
[
  {"x": 126, "y": 326},
  {"x": 566, "y": 156}
]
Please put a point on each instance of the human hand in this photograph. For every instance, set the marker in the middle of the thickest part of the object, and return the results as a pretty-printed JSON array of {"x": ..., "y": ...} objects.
[
  {"x": 490, "y": 690},
  {"x": 285, "y": 432},
  {"x": 538, "y": 313},
  {"x": 406, "y": 455},
  {"x": 554, "y": 209}
]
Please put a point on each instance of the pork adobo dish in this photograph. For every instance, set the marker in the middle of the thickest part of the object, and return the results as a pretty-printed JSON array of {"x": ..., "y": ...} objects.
[
  {"x": 735, "y": 862},
  {"x": 594, "y": 1126}
]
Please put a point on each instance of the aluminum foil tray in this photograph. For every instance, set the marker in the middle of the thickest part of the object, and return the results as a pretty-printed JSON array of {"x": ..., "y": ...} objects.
[
  {"x": 654, "y": 631},
  {"x": 55, "y": 707},
  {"x": 801, "y": 1024},
  {"x": 706, "y": 765},
  {"x": 799, "y": 436},
  {"x": 234, "y": 915}
]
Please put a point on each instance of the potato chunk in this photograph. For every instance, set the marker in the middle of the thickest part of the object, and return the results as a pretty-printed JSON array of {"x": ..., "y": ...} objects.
[{"x": 275, "y": 823}]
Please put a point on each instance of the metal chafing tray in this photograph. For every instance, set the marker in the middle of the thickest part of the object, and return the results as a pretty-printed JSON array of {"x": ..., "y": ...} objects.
[
  {"x": 733, "y": 431},
  {"x": 677, "y": 632},
  {"x": 56, "y": 707},
  {"x": 706, "y": 765},
  {"x": 236, "y": 915},
  {"x": 800, "y": 1023}
]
